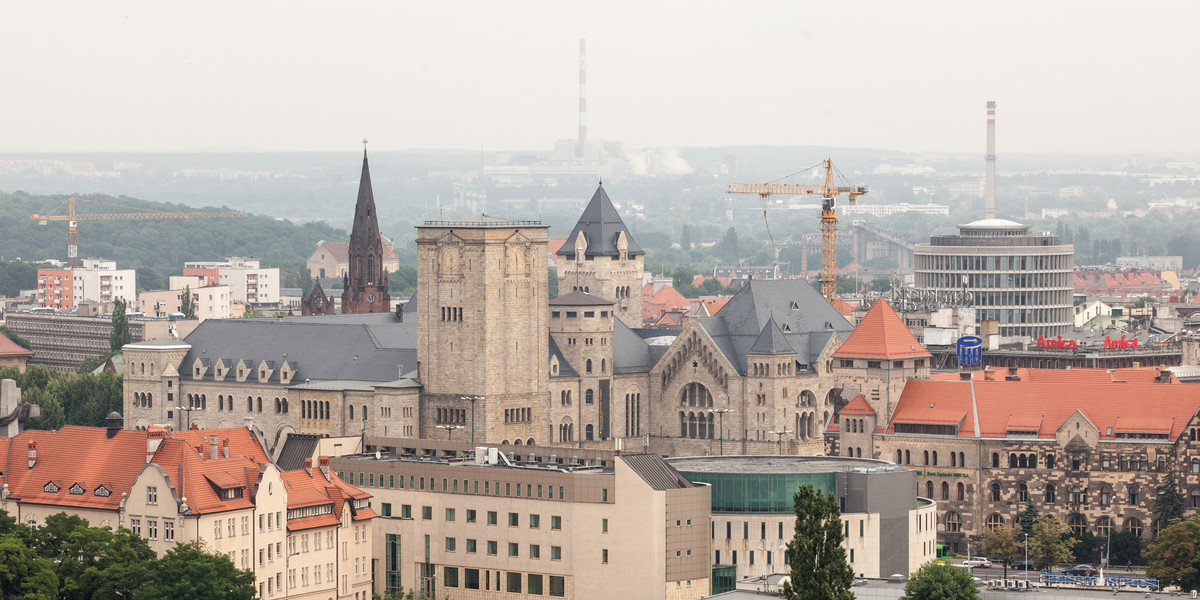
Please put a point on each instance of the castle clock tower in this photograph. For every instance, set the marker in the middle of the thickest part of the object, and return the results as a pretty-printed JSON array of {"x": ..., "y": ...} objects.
[{"x": 365, "y": 287}]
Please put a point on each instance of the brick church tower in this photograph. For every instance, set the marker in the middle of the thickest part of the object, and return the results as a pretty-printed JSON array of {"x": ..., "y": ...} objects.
[{"x": 365, "y": 287}]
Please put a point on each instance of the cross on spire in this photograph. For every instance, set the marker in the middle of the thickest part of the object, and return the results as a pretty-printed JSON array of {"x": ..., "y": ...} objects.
[{"x": 364, "y": 146}]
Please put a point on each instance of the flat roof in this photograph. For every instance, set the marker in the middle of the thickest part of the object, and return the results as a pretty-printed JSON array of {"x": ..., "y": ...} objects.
[{"x": 782, "y": 465}]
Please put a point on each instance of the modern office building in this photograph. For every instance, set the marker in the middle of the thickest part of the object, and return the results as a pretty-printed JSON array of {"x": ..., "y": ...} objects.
[
  {"x": 888, "y": 528},
  {"x": 1022, "y": 280},
  {"x": 482, "y": 524}
]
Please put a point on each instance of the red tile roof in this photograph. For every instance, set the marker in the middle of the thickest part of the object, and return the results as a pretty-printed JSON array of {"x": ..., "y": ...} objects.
[
  {"x": 9, "y": 348},
  {"x": 857, "y": 406},
  {"x": 71, "y": 455},
  {"x": 881, "y": 334},
  {"x": 666, "y": 299},
  {"x": 1001, "y": 406},
  {"x": 844, "y": 307},
  {"x": 1147, "y": 375}
]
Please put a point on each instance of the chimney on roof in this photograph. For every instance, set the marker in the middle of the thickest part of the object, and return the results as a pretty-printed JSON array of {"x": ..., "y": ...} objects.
[
  {"x": 989, "y": 375},
  {"x": 1164, "y": 376},
  {"x": 212, "y": 447},
  {"x": 225, "y": 447},
  {"x": 154, "y": 438},
  {"x": 308, "y": 466},
  {"x": 114, "y": 423},
  {"x": 323, "y": 463},
  {"x": 1012, "y": 375},
  {"x": 965, "y": 376},
  {"x": 32, "y": 454}
]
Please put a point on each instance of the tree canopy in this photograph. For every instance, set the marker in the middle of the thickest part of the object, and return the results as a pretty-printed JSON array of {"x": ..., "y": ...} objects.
[
  {"x": 819, "y": 570},
  {"x": 1050, "y": 543},
  {"x": 67, "y": 398},
  {"x": 121, "y": 334},
  {"x": 1169, "y": 503},
  {"x": 941, "y": 582},
  {"x": 1174, "y": 558},
  {"x": 1000, "y": 542}
]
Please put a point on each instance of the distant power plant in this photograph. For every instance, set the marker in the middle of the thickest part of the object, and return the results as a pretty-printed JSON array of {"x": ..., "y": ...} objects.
[
  {"x": 582, "y": 92},
  {"x": 990, "y": 186}
]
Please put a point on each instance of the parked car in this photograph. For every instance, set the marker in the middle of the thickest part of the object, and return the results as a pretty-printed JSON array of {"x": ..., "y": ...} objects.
[
  {"x": 1085, "y": 570},
  {"x": 1024, "y": 565},
  {"x": 978, "y": 561}
]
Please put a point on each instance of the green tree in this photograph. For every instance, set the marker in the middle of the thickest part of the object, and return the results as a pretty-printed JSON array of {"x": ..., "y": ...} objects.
[
  {"x": 1126, "y": 547},
  {"x": 940, "y": 582},
  {"x": 18, "y": 340},
  {"x": 1050, "y": 544},
  {"x": 1174, "y": 558},
  {"x": 685, "y": 238},
  {"x": 1029, "y": 515},
  {"x": 120, "y": 323},
  {"x": 819, "y": 570},
  {"x": 187, "y": 305},
  {"x": 187, "y": 572},
  {"x": 52, "y": 418},
  {"x": 729, "y": 246},
  {"x": 149, "y": 279},
  {"x": 1169, "y": 503},
  {"x": 1085, "y": 544},
  {"x": 1000, "y": 542},
  {"x": 23, "y": 574}
]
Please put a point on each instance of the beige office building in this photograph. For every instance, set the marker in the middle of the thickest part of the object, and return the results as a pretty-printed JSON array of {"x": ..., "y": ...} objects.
[{"x": 483, "y": 525}]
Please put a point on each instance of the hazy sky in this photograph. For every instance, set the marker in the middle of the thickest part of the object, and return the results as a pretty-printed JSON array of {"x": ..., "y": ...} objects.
[{"x": 1068, "y": 76}]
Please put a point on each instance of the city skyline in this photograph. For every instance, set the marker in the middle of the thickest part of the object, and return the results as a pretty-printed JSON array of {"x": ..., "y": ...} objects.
[{"x": 149, "y": 77}]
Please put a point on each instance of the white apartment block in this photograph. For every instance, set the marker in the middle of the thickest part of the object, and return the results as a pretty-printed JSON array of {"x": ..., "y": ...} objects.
[
  {"x": 251, "y": 284},
  {"x": 211, "y": 302},
  {"x": 100, "y": 280}
]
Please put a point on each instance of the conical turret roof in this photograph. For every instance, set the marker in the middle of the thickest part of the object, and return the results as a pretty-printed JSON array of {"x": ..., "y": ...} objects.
[{"x": 601, "y": 226}]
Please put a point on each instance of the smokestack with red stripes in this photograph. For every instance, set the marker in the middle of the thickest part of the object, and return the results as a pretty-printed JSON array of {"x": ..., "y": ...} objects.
[
  {"x": 582, "y": 92},
  {"x": 989, "y": 198}
]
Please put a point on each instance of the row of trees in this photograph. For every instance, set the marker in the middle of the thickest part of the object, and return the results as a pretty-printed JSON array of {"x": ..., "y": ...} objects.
[
  {"x": 67, "y": 398},
  {"x": 68, "y": 559}
]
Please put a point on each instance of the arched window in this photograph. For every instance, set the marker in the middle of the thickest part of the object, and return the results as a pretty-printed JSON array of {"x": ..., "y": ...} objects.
[
  {"x": 695, "y": 394},
  {"x": 691, "y": 425},
  {"x": 1033, "y": 461},
  {"x": 1012, "y": 461},
  {"x": 1104, "y": 527},
  {"x": 588, "y": 432},
  {"x": 1022, "y": 492},
  {"x": 1134, "y": 526},
  {"x": 927, "y": 458},
  {"x": 962, "y": 492},
  {"x": 935, "y": 458},
  {"x": 953, "y": 459},
  {"x": 588, "y": 365},
  {"x": 279, "y": 407},
  {"x": 907, "y": 457},
  {"x": 994, "y": 520},
  {"x": 1105, "y": 495},
  {"x": 351, "y": 412},
  {"x": 1049, "y": 461},
  {"x": 929, "y": 489},
  {"x": 953, "y": 522},
  {"x": 150, "y": 400},
  {"x": 1077, "y": 523},
  {"x": 1022, "y": 461},
  {"x": 249, "y": 403},
  {"x": 258, "y": 403},
  {"x": 1048, "y": 494},
  {"x": 899, "y": 457},
  {"x": 962, "y": 460},
  {"x": 364, "y": 410},
  {"x": 945, "y": 491},
  {"x": 1133, "y": 495},
  {"x": 603, "y": 365},
  {"x": 682, "y": 424},
  {"x": 589, "y": 397},
  {"x": 995, "y": 491},
  {"x": 703, "y": 429},
  {"x": 995, "y": 460},
  {"x": 1194, "y": 498}
]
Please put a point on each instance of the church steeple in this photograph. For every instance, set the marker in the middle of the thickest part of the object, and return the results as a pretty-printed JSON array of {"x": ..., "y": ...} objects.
[{"x": 365, "y": 282}]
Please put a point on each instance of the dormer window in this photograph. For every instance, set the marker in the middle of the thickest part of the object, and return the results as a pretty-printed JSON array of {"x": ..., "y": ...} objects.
[
  {"x": 103, "y": 492},
  {"x": 50, "y": 488},
  {"x": 76, "y": 490}
]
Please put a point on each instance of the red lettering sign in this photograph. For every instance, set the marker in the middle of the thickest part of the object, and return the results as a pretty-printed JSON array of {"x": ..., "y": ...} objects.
[
  {"x": 1111, "y": 344},
  {"x": 1056, "y": 343}
]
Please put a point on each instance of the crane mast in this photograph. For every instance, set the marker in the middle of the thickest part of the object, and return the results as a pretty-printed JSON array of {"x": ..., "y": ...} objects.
[{"x": 829, "y": 223}]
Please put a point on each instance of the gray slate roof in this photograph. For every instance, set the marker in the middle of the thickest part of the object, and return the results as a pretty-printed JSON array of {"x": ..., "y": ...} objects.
[
  {"x": 806, "y": 320},
  {"x": 771, "y": 340},
  {"x": 564, "y": 367},
  {"x": 296, "y": 448},
  {"x": 631, "y": 353},
  {"x": 601, "y": 224},
  {"x": 368, "y": 347},
  {"x": 580, "y": 299}
]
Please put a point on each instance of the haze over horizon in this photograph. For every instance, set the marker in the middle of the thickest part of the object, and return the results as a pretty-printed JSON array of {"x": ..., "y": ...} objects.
[{"x": 307, "y": 76}]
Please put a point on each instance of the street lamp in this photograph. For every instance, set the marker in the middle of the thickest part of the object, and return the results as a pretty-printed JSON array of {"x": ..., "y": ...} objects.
[
  {"x": 1026, "y": 561},
  {"x": 188, "y": 409},
  {"x": 721, "y": 412},
  {"x": 781, "y": 434},
  {"x": 472, "y": 399},
  {"x": 450, "y": 430}
]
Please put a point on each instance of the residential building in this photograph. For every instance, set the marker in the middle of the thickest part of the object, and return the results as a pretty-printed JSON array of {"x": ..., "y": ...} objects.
[
  {"x": 13, "y": 355},
  {"x": 1157, "y": 263},
  {"x": 332, "y": 259},
  {"x": 217, "y": 487},
  {"x": 481, "y": 524},
  {"x": 251, "y": 283},
  {"x": 210, "y": 302},
  {"x": 887, "y": 527},
  {"x": 97, "y": 280}
]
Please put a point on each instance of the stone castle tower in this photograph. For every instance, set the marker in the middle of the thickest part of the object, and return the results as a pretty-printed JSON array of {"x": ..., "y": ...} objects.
[
  {"x": 365, "y": 288},
  {"x": 483, "y": 328},
  {"x": 601, "y": 258}
]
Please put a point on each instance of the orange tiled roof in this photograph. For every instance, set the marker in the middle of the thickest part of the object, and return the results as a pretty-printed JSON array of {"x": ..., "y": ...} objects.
[
  {"x": 1115, "y": 407},
  {"x": 1147, "y": 375},
  {"x": 857, "y": 406},
  {"x": 9, "y": 348},
  {"x": 71, "y": 455},
  {"x": 881, "y": 334},
  {"x": 192, "y": 473}
]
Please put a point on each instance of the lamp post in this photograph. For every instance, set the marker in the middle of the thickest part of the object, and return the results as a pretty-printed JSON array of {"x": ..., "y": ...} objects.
[
  {"x": 721, "y": 412},
  {"x": 1026, "y": 560},
  {"x": 781, "y": 434},
  {"x": 472, "y": 399},
  {"x": 450, "y": 430},
  {"x": 188, "y": 409}
]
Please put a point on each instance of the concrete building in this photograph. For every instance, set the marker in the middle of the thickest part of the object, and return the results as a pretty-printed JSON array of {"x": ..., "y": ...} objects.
[
  {"x": 482, "y": 525},
  {"x": 1022, "y": 280},
  {"x": 62, "y": 341},
  {"x": 1156, "y": 263},
  {"x": 251, "y": 284},
  {"x": 211, "y": 302},
  {"x": 97, "y": 280},
  {"x": 217, "y": 487},
  {"x": 888, "y": 528}
]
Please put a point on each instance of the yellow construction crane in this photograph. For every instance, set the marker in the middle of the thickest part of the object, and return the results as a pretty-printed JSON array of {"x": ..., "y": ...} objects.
[
  {"x": 829, "y": 224},
  {"x": 73, "y": 217}
]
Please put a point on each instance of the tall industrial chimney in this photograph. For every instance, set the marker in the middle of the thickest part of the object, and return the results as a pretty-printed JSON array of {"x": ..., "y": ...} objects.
[
  {"x": 989, "y": 197},
  {"x": 582, "y": 93}
]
